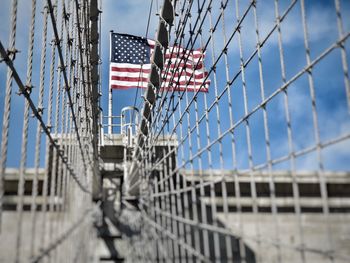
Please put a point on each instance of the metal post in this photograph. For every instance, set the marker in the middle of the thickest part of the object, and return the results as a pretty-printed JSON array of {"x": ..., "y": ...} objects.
[{"x": 110, "y": 95}]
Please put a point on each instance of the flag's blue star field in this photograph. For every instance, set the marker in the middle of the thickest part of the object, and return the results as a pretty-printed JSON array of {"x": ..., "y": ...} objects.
[{"x": 130, "y": 49}]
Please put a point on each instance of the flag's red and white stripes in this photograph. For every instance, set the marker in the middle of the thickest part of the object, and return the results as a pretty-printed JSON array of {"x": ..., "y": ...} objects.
[{"x": 125, "y": 75}]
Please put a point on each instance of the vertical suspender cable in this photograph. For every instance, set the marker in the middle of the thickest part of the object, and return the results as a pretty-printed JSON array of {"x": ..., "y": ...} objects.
[
  {"x": 7, "y": 107},
  {"x": 21, "y": 181}
]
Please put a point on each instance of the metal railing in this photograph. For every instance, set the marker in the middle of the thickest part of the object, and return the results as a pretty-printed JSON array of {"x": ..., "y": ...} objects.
[
  {"x": 115, "y": 122},
  {"x": 125, "y": 124}
]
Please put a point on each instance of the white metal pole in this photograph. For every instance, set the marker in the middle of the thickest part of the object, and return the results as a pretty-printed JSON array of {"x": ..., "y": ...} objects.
[{"x": 110, "y": 95}]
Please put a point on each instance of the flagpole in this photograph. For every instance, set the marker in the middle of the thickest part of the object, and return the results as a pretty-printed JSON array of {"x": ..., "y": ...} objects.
[{"x": 110, "y": 95}]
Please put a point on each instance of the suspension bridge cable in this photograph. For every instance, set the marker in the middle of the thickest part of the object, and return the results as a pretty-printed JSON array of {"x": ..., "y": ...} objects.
[
  {"x": 37, "y": 114},
  {"x": 7, "y": 105},
  {"x": 66, "y": 82},
  {"x": 47, "y": 194},
  {"x": 146, "y": 36},
  {"x": 24, "y": 146}
]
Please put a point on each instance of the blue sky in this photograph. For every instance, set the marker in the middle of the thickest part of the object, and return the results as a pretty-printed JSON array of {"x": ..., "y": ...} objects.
[
  {"x": 131, "y": 17},
  {"x": 330, "y": 92}
]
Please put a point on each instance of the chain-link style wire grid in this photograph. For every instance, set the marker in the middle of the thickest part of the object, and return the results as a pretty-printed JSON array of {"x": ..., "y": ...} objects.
[
  {"x": 260, "y": 169},
  {"x": 257, "y": 171},
  {"x": 50, "y": 129}
]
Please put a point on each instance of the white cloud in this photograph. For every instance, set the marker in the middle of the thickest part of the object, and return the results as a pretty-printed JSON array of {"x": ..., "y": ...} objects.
[
  {"x": 333, "y": 122},
  {"x": 127, "y": 17},
  {"x": 321, "y": 23}
]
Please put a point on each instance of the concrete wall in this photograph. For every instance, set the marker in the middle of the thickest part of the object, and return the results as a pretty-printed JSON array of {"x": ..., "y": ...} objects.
[{"x": 314, "y": 227}]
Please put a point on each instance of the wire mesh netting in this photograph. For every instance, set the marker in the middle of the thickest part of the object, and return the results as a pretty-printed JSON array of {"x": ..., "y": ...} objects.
[
  {"x": 259, "y": 160},
  {"x": 49, "y": 139}
]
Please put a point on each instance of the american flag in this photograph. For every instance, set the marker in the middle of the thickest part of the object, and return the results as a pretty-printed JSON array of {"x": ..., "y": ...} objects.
[{"x": 130, "y": 65}]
